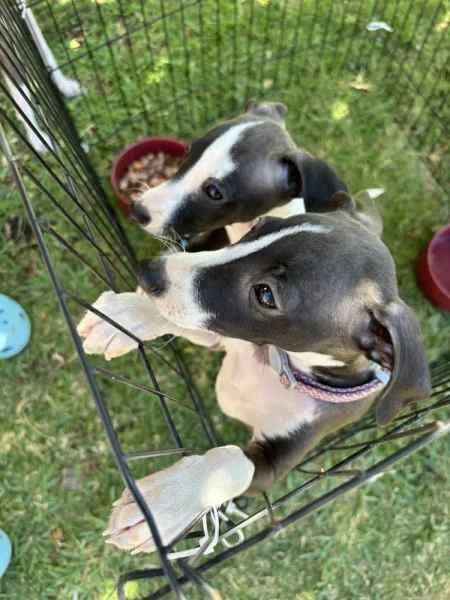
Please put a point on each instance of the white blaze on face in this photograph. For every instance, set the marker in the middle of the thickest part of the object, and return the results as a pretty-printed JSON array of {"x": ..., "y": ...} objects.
[
  {"x": 216, "y": 161},
  {"x": 179, "y": 303}
]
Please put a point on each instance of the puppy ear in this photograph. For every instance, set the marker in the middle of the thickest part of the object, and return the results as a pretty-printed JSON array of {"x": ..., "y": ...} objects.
[
  {"x": 342, "y": 201},
  {"x": 394, "y": 340},
  {"x": 314, "y": 180},
  {"x": 274, "y": 110},
  {"x": 367, "y": 210},
  {"x": 361, "y": 207}
]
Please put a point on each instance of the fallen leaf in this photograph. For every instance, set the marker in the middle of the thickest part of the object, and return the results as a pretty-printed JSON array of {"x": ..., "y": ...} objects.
[
  {"x": 132, "y": 590},
  {"x": 360, "y": 86},
  {"x": 91, "y": 466},
  {"x": 57, "y": 536},
  {"x": 438, "y": 152},
  {"x": 435, "y": 158},
  {"x": 76, "y": 42},
  {"x": 121, "y": 27},
  {"x": 377, "y": 25},
  {"x": 444, "y": 23},
  {"x": 340, "y": 110},
  {"x": 109, "y": 589},
  {"x": 32, "y": 266},
  {"x": 59, "y": 358}
]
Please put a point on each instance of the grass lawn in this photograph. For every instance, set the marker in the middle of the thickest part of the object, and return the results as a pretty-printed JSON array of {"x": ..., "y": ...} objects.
[{"x": 389, "y": 540}]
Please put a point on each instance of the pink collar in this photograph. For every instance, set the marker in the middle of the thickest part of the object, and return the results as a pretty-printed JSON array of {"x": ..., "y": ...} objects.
[{"x": 306, "y": 384}]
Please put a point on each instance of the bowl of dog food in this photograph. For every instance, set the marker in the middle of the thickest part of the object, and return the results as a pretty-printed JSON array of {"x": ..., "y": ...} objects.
[
  {"x": 433, "y": 269},
  {"x": 146, "y": 163}
]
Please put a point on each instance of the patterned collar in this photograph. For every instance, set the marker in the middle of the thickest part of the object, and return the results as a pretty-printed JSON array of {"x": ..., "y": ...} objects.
[{"x": 306, "y": 384}]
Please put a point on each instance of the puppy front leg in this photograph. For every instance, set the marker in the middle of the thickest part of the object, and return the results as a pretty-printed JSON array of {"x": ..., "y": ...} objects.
[
  {"x": 178, "y": 496},
  {"x": 137, "y": 314},
  {"x": 264, "y": 475},
  {"x": 275, "y": 458}
]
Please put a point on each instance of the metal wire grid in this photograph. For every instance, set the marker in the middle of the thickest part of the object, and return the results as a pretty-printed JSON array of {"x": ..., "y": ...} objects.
[
  {"x": 63, "y": 196},
  {"x": 212, "y": 67}
]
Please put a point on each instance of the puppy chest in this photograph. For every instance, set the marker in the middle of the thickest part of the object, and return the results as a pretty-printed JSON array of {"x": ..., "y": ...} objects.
[{"x": 250, "y": 391}]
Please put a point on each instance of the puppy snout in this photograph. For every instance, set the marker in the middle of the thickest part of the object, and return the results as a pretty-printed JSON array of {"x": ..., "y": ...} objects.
[
  {"x": 152, "y": 276},
  {"x": 140, "y": 214}
]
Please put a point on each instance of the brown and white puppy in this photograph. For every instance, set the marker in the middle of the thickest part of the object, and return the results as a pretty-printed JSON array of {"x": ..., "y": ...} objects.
[
  {"x": 239, "y": 170},
  {"x": 307, "y": 310}
]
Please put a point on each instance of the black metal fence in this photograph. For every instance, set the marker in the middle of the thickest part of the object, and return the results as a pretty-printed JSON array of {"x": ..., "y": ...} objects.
[{"x": 176, "y": 67}]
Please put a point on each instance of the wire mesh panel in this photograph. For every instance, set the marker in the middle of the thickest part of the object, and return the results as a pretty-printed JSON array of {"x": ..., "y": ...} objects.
[
  {"x": 174, "y": 66},
  {"x": 180, "y": 65}
]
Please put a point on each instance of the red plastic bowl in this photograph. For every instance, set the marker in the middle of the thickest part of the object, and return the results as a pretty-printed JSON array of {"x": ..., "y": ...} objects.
[
  {"x": 433, "y": 269},
  {"x": 136, "y": 151}
]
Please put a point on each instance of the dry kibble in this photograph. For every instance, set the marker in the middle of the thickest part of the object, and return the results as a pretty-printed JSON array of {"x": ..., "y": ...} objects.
[
  {"x": 149, "y": 171},
  {"x": 170, "y": 171},
  {"x": 141, "y": 176},
  {"x": 156, "y": 180}
]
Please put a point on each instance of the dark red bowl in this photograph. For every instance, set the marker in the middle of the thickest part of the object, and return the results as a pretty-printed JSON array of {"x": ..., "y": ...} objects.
[
  {"x": 433, "y": 269},
  {"x": 136, "y": 151}
]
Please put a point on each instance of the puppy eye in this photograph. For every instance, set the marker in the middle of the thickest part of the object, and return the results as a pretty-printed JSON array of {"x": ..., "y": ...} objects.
[
  {"x": 212, "y": 191},
  {"x": 264, "y": 296}
]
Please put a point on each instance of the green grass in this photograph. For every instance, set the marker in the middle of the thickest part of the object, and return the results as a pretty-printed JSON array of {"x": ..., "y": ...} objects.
[{"x": 388, "y": 540}]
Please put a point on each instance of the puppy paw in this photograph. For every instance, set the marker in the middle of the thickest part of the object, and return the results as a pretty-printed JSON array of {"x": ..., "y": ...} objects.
[
  {"x": 178, "y": 496},
  {"x": 133, "y": 312}
]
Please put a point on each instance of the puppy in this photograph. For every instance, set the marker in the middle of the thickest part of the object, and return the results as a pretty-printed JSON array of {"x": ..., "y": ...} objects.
[
  {"x": 239, "y": 170},
  {"x": 315, "y": 333}
]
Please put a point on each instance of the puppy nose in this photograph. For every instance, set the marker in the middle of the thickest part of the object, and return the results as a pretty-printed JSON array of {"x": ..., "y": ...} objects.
[
  {"x": 140, "y": 214},
  {"x": 152, "y": 276}
]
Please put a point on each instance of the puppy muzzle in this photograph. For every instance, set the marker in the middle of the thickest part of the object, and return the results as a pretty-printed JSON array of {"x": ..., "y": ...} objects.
[
  {"x": 152, "y": 276},
  {"x": 140, "y": 214}
]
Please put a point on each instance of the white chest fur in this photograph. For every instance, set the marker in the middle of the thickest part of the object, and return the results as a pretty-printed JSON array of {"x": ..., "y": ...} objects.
[{"x": 249, "y": 391}]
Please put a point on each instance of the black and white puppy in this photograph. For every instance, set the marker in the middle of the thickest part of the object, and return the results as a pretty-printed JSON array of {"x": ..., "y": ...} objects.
[
  {"x": 315, "y": 333},
  {"x": 239, "y": 170}
]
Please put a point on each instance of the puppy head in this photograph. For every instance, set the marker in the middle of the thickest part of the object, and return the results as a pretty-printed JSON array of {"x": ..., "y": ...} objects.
[
  {"x": 238, "y": 171},
  {"x": 313, "y": 283}
]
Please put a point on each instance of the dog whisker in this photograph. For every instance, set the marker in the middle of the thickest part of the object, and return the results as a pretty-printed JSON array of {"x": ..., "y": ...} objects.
[
  {"x": 169, "y": 244},
  {"x": 178, "y": 240}
]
